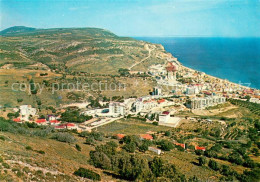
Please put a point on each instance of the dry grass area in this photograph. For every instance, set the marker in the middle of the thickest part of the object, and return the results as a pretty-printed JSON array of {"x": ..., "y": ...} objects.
[{"x": 57, "y": 164}]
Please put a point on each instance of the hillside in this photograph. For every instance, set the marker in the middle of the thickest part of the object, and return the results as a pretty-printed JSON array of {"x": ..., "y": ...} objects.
[{"x": 75, "y": 49}]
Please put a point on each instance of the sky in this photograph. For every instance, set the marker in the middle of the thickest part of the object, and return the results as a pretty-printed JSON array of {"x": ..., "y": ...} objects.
[{"x": 214, "y": 18}]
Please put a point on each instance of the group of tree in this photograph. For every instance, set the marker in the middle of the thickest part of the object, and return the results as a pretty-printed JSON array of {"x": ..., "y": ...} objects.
[
  {"x": 92, "y": 137},
  {"x": 132, "y": 167},
  {"x": 74, "y": 116}
]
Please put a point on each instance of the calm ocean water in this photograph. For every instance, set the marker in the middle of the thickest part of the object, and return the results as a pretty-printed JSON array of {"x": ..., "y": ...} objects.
[{"x": 235, "y": 59}]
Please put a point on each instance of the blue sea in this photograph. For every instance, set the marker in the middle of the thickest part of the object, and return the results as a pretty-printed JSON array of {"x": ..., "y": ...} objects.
[{"x": 234, "y": 59}]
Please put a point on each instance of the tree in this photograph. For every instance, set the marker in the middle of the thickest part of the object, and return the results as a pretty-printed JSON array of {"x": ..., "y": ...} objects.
[
  {"x": 166, "y": 145},
  {"x": 33, "y": 88},
  {"x": 130, "y": 147},
  {"x": 213, "y": 165},
  {"x": 202, "y": 161},
  {"x": 156, "y": 166}
]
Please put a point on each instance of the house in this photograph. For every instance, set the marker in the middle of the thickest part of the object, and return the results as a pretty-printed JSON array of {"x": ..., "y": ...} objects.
[
  {"x": 117, "y": 108},
  {"x": 156, "y": 150},
  {"x": 200, "y": 148},
  {"x": 180, "y": 144},
  {"x": 41, "y": 121},
  {"x": 161, "y": 101},
  {"x": 54, "y": 122},
  {"x": 120, "y": 136},
  {"x": 17, "y": 120},
  {"x": 146, "y": 137},
  {"x": 71, "y": 126},
  {"x": 27, "y": 111},
  {"x": 60, "y": 127},
  {"x": 164, "y": 117}
]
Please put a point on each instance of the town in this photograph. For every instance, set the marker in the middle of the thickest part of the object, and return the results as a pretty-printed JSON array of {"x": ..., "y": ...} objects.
[{"x": 174, "y": 93}]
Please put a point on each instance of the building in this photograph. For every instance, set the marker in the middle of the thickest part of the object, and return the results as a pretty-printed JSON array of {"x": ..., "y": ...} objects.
[
  {"x": 156, "y": 150},
  {"x": 192, "y": 90},
  {"x": 26, "y": 111},
  {"x": 164, "y": 117},
  {"x": 144, "y": 105},
  {"x": 146, "y": 137},
  {"x": 200, "y": 148},
  {"x": 157, "y": 91},
  {"x": 201, "y": 103},
  {"x": 171, "y": 72},
  {"x": 117, "y": 108}
]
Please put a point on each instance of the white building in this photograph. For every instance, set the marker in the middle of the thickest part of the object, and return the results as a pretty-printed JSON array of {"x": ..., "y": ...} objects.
[
  {"x": 254, "y": 100},
  {"x": 117, "y": 108},
  {"x": 192, "y": 90},
  {"x": 157, "y": 91},
  {"x": 164, "y": 117},
  {"x": 26, "y": 111},
  {"x": 145, "y": 105},
  {"x": 200, "y": 103},
  {"x": 156, "y": 150}
]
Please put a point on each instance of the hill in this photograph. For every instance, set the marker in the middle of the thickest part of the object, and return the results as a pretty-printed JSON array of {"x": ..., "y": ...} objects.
[{"x": 76, "y": 49}]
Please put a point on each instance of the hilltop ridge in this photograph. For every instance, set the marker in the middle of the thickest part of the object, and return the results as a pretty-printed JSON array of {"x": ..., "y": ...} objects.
[{"x": 92, "y": 50}]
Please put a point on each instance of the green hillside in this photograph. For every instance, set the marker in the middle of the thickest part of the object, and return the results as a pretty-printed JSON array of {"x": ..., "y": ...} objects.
[{"x": 74, "y": 49}]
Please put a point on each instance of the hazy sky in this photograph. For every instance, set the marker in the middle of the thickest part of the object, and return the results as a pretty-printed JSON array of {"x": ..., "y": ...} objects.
[{"x": 236, "y": 18}]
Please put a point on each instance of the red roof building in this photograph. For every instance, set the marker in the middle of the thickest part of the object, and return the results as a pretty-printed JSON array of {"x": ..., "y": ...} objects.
[
  {"x": 161, "y": 101},
  {"x": 146, "y": 136},
  {"x": 180, "y": 144},
  {"x": 60, "y": 127},
  {"x": 17, "y": 120},
  {"x": 41, "y": 121},
  {"x": 166, "y": 112},
  {"x": 170, "y": 67},
  {"x": 54, "y": 121},
  {"x": 120, "y": 136},
  {"x": 200, "y": 148}
]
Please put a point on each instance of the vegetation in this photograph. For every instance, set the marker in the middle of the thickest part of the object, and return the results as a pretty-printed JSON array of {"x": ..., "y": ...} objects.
[{"x": 86, "y": 173}]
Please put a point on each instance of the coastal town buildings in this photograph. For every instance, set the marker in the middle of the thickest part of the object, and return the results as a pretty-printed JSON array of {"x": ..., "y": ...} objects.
[
  {"x": 201, "y": 103},
  {"x": 117, "y": 108}
]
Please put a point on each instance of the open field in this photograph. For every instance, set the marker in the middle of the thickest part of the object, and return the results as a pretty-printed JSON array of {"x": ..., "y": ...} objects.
[{"x": 130, "y": 127}]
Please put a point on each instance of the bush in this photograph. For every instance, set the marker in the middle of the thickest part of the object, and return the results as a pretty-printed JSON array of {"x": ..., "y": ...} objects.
[
  {"x": 155, "y": 123},
  {"x": 213, "y": 165},
  {"x": 202, "y": 161},
  {"x": 86, "y": 173},
  {"x": 28, "y": 148},
  {"x": 63, "y": 137},
  {"x": 130, "y": 147},
  {"x": 78, "y": 147},
  {"x": 166, "y": 145},
  {"x": 40, "y": 151}
]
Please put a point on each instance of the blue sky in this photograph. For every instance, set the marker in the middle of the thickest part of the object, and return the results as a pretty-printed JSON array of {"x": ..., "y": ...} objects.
[{"x": 228, "y": 18}]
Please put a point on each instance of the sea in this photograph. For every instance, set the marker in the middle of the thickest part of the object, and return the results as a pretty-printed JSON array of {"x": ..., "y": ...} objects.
[{"x": 234, "y": 59}]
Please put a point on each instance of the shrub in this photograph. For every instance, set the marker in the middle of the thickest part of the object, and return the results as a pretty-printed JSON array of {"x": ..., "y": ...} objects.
[
  {"x": 28, "y": 148},
  {"x": 130, "y": 147},
  {"x": 213, "y": 165},
  {"x": 78, "y": 147},
  {"x": 86, "y": 173},
  {"x": 202, "y": 161},
  {"x": 166, "y": 145},
  {"x": 155, "y": 123},
  {"x": 2, "y": 138},
  {"x": 40, "y": 151}
]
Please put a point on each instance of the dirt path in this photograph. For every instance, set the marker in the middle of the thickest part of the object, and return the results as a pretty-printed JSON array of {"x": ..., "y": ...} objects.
[{"x": 149, "y": 55}]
